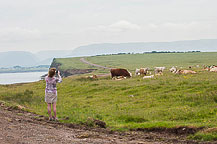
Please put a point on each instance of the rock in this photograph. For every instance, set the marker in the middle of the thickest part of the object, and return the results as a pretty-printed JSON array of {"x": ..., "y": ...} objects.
[
  {"x": 20, "y": 107},
  {"x": 100, "y": 123}
]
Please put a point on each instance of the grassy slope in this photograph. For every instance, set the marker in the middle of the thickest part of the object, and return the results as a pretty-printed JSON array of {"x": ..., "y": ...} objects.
[{"x": 165, "y": 101}]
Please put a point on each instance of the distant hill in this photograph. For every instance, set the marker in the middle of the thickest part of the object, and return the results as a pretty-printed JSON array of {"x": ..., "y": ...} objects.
[
  {"x": 25, "y": 59},
  {"x": 208, "y": 45},
  {"x": 13, "y": 58}
]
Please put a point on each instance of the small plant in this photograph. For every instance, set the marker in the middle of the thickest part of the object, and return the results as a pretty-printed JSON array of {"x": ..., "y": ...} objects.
[
  {"x": 215, "y": 98},
  {"x": 135, "y": 119}
]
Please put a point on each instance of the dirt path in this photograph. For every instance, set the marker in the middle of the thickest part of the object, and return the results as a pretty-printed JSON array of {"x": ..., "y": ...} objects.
[
  {"x": 20, "y": 127},
  {"x": 87, "y": 62},
  {"x": 96, "y": 65}
]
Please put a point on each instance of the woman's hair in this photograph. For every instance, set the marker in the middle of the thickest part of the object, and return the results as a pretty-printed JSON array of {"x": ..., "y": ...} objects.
[{"x": 51, "y": 72}]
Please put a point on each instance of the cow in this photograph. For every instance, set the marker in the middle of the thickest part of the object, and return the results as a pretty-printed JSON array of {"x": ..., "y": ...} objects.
[
  {"x": 213, "y": 66},
  {"x": 173, "y": 69},
  {"x": 146, "y": 77},
  {"x": 120, "y": 72},
  {"x": 208, "y": 68},
  {"x": 119, "y": 78},
  {"x": 159, "y": 74},
  {"x": 92, "y": 76},
  {"x": 159, "y": 69},
  {"x": 141, "y": 71},
  {"x": 137, "y": 72},
  {"x": 214, "y": 69},
  {"x": 185, "y": 72}
]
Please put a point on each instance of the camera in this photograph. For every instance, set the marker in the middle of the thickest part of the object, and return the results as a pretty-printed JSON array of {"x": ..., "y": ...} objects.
[{"x": 57, "y": 71}]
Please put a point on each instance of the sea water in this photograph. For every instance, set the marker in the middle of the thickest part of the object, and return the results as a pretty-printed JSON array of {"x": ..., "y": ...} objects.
[{"x": 25, "y": 77}]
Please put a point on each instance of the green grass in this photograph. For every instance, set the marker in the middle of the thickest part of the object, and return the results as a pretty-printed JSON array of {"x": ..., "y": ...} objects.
[
  {"x": 132, "y": 61},
  {"x": 165, "y": 101}
]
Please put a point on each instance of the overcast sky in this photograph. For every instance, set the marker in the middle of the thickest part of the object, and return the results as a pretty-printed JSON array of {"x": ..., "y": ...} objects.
[{"x": 35, "y": 25}]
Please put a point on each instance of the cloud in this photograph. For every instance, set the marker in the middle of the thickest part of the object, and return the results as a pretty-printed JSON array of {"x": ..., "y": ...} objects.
[
  {"x": 120, "y": 26},
  {"x": 188, "y": 25},
  {"x": 124, "y": 26},
  {"x": 183, "y": 26},
  {"x": 11, "y": 34},
  {"x": 179, "y": 30}
]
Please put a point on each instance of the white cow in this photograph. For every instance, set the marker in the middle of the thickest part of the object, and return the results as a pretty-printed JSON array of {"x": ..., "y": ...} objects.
[
  {"x": 137, "y": 72},
  {"x": 151, "y": 76},
  {"x": 159, "y": 69},
  {"x": 173, "y": 69},
  {"x": 214, "y": 69}
]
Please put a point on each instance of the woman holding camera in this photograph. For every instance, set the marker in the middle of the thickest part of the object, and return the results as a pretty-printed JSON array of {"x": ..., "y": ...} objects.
[{"x": 51, "y": 91}]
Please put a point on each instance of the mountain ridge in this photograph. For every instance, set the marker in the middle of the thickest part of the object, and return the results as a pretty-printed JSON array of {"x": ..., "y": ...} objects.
[
  {"x": 204, "y": 45},
  {"x": 25, "y": 58}
]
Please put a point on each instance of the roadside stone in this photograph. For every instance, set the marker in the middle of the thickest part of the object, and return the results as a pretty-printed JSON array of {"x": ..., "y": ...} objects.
[{"x": 19, "y": 120}]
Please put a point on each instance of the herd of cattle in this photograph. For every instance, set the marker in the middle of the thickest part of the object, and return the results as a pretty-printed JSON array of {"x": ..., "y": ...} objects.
[{"x": 120, "y": 74}]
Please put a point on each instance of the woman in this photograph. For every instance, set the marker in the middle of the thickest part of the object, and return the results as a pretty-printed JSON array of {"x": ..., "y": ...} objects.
[{"x": 51, "y": 92}]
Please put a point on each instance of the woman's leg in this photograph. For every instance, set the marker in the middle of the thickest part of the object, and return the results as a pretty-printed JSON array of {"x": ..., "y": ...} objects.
[
  {"x": 54, "y": 110},
  {"x": 49, "y": 110}
]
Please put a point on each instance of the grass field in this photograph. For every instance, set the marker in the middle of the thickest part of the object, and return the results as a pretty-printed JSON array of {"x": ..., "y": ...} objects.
[
  {"x": 165, "y": 101},
  {"x": 151, "y": 60}
]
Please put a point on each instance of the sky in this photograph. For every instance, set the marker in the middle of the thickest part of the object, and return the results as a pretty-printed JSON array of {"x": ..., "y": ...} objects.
[{"x": 36, "y": 25}]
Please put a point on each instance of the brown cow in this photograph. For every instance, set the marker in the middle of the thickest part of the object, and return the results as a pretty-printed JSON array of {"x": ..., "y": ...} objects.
[
  {"x": 120, "y": 72},
  {"x": 141, "y": 71}
]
